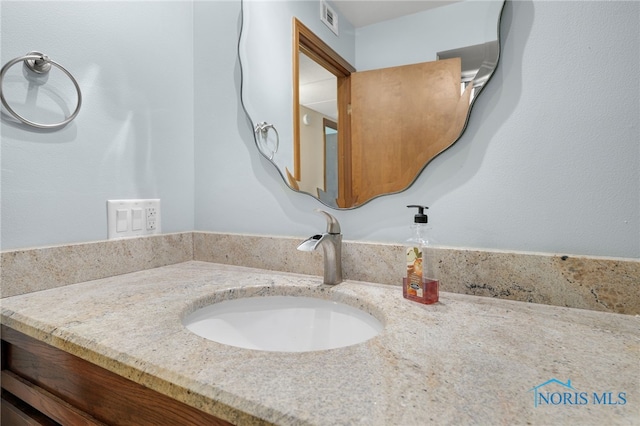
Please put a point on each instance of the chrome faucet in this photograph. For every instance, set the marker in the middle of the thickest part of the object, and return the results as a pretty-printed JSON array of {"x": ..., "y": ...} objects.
[{"x": 331, "y": 242}]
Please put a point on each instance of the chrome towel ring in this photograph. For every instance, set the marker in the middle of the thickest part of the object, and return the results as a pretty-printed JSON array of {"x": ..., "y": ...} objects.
[
  {"x": 39, "y": 63},
  {"x": 262, "y": 132}
]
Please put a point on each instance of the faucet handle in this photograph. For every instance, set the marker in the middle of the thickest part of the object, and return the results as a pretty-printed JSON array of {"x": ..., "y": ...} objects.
[{"x": 333, "y": 226}]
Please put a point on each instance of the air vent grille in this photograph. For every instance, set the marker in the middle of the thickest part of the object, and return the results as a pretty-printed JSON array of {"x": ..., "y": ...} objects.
[{"x": 329, "y": 16}]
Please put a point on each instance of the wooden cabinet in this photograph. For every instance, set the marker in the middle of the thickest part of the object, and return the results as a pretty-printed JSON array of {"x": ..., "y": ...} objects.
[{"x": 43, "y": 385}]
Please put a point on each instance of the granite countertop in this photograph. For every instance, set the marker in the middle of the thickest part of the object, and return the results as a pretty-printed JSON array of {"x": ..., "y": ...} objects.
[{"x": 465, "y": 360}]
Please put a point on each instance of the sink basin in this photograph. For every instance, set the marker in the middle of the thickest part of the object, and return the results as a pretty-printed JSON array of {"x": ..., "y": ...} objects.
[{"x": 283, "y": 323}]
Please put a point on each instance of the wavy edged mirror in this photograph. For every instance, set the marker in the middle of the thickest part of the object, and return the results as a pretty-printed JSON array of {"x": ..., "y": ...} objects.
[{"x": 350, "y": 113}]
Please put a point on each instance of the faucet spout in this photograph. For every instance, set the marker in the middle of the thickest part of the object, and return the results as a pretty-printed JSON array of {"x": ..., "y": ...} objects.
[
  {"x": 331, "y": 243},
  {"x": 310, "y": 244}
]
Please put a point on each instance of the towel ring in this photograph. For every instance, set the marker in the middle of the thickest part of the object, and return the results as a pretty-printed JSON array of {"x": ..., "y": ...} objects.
[
  {"x": 39, "y": 63},
  {"x": 262, "y": 130}
]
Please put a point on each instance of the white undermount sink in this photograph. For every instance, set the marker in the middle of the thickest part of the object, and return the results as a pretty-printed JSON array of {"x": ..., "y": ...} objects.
[{"x": 283, "y": 323}]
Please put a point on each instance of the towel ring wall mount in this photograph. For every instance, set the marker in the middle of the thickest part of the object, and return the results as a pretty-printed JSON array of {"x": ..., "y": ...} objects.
[
  {"x": 261, "y": 131},
  {"x": 39, "y": 63}
]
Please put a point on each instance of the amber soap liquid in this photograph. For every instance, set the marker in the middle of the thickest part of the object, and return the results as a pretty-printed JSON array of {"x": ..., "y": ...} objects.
[{"x": 425, "y": 291}]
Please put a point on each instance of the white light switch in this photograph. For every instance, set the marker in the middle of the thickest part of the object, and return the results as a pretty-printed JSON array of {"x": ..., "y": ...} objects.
[
  {"x": 136, "y": 219},
  {"x": 122, "y": 219}
]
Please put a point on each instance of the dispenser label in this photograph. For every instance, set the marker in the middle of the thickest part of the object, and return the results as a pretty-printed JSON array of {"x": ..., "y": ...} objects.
[{"x": 414, "y": 272}]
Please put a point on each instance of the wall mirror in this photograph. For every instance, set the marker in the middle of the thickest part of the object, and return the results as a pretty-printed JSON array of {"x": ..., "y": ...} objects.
[{"x": 358, "y": 111}]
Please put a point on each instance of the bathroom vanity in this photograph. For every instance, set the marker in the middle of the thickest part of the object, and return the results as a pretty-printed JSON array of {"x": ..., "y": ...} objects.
[{"x": 464, "y": 360}]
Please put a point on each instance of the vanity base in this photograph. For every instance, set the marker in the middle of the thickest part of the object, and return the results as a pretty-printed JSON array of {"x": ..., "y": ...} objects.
[{"x": 45, "y": 385}]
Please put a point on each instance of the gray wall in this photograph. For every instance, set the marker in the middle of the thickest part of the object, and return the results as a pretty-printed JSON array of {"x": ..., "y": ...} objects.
[
  {"x": 133, "y": 137},
  {"x": 550, "y": 161}
]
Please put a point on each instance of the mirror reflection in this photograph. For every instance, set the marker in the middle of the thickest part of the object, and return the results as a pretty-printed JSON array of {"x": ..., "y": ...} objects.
[
  {"x": 318, "y": 129},
  {"x": 373, "y": 105}
]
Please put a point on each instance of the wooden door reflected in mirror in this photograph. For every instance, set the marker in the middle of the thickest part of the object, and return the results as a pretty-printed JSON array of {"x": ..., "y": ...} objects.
[{"x": 391, "y": 122}]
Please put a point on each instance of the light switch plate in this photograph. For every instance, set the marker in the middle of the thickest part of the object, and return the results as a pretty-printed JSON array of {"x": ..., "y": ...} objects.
[{"x": 133, "y": 218}]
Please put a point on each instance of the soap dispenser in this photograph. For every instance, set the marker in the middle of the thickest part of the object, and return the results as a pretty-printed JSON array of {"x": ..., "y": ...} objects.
[{"x": 419, "y": 284}]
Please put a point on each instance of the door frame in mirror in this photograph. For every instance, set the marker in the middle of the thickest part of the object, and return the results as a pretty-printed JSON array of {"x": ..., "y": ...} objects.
[{"x": 305, "y": 41}]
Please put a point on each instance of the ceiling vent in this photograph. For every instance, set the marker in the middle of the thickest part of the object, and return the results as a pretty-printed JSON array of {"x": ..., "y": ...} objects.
[{"x": 329, "y": 16}]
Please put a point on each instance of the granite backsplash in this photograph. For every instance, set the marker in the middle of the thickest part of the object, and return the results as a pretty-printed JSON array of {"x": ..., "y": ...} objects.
[{"x": 594, "y": 283}]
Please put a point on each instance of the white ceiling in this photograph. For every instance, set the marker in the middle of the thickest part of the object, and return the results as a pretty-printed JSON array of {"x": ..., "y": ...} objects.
[
  {"x": 366, "y": 12},
  {"x": 318, "y": 87}
]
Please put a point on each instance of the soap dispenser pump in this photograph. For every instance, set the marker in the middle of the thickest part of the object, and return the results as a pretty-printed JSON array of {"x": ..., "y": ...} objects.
[{"x": 419, "y": 284}]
